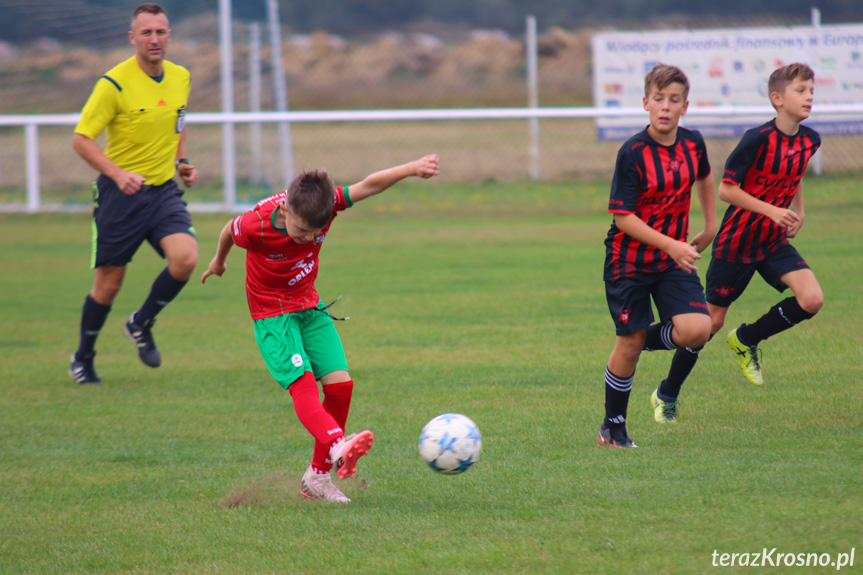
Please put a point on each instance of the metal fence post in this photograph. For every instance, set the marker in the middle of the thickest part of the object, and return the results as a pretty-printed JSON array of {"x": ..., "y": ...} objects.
[{"x": 34, "y": 192}]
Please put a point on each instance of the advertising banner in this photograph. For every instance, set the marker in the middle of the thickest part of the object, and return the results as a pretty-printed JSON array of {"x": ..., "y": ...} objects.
[{"x": 727, "y": 67}]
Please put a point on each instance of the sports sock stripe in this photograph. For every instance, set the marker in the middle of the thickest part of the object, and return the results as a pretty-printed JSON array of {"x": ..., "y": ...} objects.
[
  {"x": 622, "y": 384},
  {"x": 665, "y": 334}
]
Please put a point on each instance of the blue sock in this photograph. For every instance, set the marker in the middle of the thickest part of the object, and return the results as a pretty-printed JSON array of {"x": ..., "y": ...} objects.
[
  {"x": 662, "y": 396},
  {"x": 617, "y": 391},
  {"x": 784, "y": 315},
  {"x": 659, "y": 336},
  {"x": 164, "y": 290},
  {"x": 682, "y": 363},
  {"x": 93, "y": 317}
]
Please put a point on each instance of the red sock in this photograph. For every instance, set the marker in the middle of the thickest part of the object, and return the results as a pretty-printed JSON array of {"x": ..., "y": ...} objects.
[
  {"x": 307, "y": 403},
  {"x": 337, "y": 402}
]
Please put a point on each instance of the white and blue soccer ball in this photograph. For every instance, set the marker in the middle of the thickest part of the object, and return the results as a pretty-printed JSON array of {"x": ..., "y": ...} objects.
[{"x": 450, "y": 443}]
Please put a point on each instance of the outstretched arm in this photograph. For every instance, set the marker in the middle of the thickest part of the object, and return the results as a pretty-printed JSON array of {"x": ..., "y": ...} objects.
[
  {"x": 425, "y": 167},
  {"x": 218, "y": 265}
]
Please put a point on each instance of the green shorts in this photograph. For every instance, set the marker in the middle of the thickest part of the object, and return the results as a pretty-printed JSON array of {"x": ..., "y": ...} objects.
[{"x": 301, "y": 341}]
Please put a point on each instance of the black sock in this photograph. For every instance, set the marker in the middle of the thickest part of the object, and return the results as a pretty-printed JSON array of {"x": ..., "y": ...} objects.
[
  {"x": 682, "y": 363},
  {"x": 164, "y": 289},
  {"x": 659, "y": 336},
  {"x": 93, "y": 317},
  {"x": 616, "y": 398},
  {"x": 782, "y": 316}
]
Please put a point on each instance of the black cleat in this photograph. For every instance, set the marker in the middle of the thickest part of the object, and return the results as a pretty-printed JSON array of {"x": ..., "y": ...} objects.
[
  {"x": 143, "y": 339},
  {"x": 615, "y": 437},
  {"x": 83, "y": 372}
]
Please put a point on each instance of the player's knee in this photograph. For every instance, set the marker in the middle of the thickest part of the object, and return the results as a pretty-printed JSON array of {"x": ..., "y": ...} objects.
[
  {"x": 338, "y": 376},
  {"x": 630, "y": 355},
  {"x": 694, "y": 339},
  {"x": 811, "y": 302},
  {"x": 628, "y": 349},
  {"x": 693, "y": 333},
  {"x": 182, "y": 266},
  {"x": 105, "y": 292}
]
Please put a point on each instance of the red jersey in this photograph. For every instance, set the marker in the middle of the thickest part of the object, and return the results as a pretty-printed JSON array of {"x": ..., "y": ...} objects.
[
  {"x": 768, "y": 165},
  {"x": 280, "y": 274},
  {"x": 655, "y": 183}
]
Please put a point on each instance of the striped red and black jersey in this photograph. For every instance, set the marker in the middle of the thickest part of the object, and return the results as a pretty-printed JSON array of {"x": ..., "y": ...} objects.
[
  {"x": 768, "y": 165},
  {"x": 655, "y": 183}
]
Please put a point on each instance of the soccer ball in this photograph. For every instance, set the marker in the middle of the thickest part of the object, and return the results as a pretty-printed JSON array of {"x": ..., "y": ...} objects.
[{"x": 450, "y": 443}]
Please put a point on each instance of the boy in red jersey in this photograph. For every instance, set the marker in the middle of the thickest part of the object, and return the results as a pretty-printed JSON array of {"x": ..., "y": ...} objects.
[
  {"x": 647, "y": 253},
  {"x": 762, "y": 182},
  {"x": 295, "y": 332}
]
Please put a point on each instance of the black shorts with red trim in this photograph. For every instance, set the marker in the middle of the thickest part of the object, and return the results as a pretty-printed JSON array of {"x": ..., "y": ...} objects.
[
  {"x": 674, "y": 292},
  {"x": 726, "y": 281}
]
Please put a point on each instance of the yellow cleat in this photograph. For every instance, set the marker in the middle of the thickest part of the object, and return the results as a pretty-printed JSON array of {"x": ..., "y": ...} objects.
[
  {"x": 663, "y": 411},
  {"x": 748, "y": 356}
]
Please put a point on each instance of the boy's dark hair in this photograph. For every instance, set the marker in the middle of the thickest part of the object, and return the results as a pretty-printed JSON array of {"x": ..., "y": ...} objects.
[
  {"x": 782, "y": 77},
  {"x": 662, "y": 75},
  {"x": 149, "y": 8},
  {"x": 310, "y": 197}
]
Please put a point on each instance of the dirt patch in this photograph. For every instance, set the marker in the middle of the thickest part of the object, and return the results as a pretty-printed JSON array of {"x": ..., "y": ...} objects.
[{"x": 265, "y": 492}]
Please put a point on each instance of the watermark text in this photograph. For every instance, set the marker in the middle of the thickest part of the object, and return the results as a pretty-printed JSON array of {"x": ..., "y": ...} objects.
[{"x": 775, "y": 558}]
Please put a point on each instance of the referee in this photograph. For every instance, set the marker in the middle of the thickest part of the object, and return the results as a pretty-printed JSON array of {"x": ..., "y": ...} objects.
[{"x": 141, "y": 105}]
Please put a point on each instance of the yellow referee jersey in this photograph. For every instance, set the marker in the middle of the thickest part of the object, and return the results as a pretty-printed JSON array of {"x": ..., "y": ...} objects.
[{"x": 143, "y": 117}]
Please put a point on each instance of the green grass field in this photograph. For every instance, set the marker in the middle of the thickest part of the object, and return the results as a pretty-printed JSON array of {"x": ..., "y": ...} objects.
[{"x": 482, "y": 299}]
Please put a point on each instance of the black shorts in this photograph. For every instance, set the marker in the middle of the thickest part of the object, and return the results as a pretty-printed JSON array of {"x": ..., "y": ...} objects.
[
  {"x": 726, "y": 281},
  {"x": 121, "y": 223},
  {"x": 674, "y": 292}
]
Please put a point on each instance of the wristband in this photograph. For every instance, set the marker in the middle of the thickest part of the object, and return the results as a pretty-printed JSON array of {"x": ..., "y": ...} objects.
[{"x": 181, "y": 161}]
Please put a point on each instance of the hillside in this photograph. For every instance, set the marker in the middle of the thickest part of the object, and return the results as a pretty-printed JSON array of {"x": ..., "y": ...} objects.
[{"x": 485, "y": 68}]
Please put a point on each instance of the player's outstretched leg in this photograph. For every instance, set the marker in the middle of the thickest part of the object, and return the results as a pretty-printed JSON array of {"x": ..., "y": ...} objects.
[
  {"x": 748, "y": 357},
  {"x": 321, "y": 486},
  {"x": 347, "y": 452},
  {"x": 142, "y": 337}
]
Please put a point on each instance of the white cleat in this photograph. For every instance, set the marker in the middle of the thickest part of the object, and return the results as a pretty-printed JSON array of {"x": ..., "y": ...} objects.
[
  {"x": 346, "y": 452},
  {"x": 316, "y": 486}
]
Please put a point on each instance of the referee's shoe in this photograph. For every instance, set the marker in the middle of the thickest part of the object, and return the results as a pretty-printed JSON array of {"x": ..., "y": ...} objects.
[
  {"x": 142, "y": 337},
  {"x": 82, "y": 371}
]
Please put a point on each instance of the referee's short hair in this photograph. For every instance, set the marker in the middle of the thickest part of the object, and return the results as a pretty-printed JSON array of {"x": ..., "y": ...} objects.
[{"x": 149, "y": 8}]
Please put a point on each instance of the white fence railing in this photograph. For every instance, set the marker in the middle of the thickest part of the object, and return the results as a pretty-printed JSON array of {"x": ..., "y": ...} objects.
[{"x": 32, "y": 123}]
